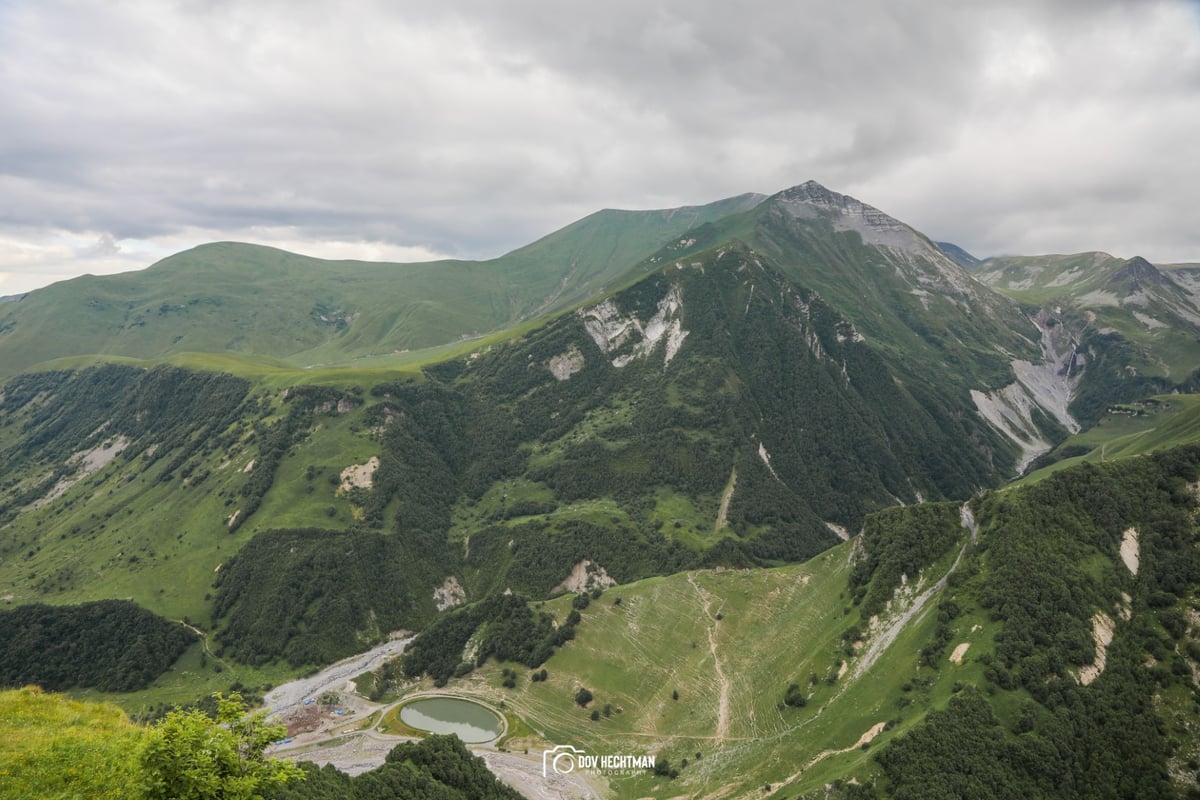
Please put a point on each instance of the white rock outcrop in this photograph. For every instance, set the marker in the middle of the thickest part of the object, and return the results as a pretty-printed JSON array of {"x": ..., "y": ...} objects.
[
  {"x": 1048, "y": 387},
  {"x": 612, "y": 331}
]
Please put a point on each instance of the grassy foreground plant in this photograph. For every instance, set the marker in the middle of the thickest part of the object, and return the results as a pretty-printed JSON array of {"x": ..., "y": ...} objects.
[{"x": 189, "y": 756}]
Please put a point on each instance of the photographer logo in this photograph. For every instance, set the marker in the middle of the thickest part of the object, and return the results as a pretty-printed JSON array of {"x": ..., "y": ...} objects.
[{"x": 564, "y": 759}]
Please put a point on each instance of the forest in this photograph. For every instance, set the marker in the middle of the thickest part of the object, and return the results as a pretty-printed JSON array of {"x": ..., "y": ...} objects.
[
  {"x": 110, "y": 645},
  {"x": 1047, "y": 561},
  {"x": 435, "y": 768}
]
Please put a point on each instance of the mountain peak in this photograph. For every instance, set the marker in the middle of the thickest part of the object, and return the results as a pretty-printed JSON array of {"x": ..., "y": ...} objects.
[
  {"x": 1136, "y": 273},
  {"x": 811, "y": 200},
  {"x": 812, "y": 191}
]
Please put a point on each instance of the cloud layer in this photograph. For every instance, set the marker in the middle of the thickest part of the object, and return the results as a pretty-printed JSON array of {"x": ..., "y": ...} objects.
[{"x": 393, "y": 130}]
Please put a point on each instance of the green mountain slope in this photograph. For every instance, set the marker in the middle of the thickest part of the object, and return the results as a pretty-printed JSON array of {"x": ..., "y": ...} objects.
[
  {"x": 259, "y": 301},
  {"x": 1136, "y": 326},
  {"x": 1045, "y": 650},
  {"x": 761, "y": 379},
  {"x": 714, "y": 413},
  {"x": 1127, "y": 430},
  {"x": 939, "y": 328}
]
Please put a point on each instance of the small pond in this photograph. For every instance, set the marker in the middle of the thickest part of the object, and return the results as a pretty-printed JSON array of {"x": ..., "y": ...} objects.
[{"x": 469, "y": 721}]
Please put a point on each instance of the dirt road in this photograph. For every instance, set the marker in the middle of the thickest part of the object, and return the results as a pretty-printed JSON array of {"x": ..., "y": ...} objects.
[{"x": 334, "y": 677}]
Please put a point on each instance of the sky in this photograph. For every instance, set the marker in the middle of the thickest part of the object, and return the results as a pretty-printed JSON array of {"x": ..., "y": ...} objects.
[{"x": 404, "y": 131}]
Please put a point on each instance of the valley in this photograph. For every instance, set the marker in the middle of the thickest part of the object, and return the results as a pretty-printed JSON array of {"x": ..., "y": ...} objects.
[{"x": 772, "y": 489}]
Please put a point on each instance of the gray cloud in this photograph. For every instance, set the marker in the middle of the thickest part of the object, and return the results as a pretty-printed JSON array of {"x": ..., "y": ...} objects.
[{"x": 474, "y": 127}]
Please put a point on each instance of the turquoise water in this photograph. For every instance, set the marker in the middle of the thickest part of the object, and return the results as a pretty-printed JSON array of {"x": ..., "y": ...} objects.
[{"x": 469, "y": 721}]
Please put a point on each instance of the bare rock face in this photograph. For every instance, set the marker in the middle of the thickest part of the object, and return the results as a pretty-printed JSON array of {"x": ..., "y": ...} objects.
[
  {"x": 1048, "y": 387},
  {"x": 920, "y": 262},
  {"x": 612, "y": 331},
  {"x": 567, "y": 364},
  {"x": 585, "y": 576},
  {"x": 810, "y": 200},
  {"x": 449, "y": 595}
]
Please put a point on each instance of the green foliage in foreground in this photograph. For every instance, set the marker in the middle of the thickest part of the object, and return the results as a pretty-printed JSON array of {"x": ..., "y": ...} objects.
[
  {"x": 112, "y": 645},
  {"x": 435, "y": 768},
  {"x": 54, "y": 748},
  {"x": 190, "y": 756}
]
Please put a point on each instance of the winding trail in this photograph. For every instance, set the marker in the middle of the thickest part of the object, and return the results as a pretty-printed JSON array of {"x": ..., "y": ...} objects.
[
  {"x": 204, "y": 641},
  {"x": 722, "y": 680}
]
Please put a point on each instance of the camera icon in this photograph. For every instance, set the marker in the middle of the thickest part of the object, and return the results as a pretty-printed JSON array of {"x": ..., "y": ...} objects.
[{"x": 560, "y": 760}]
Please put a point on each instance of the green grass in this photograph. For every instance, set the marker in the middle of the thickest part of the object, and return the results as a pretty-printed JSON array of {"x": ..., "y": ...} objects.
[
  {"x": 193, "y": 676},
  {"x": 777, "y": 626},
  {"x": 1175, "y": 422},
  {"x": 266, "y": 305},
  {"x": 56, "y": 748}
]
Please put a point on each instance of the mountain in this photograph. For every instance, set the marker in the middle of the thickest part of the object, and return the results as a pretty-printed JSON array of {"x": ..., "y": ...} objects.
[
  {"x": 712, "y": 412},
  {"x": 959, "y": 256},
  {"x": 762, "y": 383},
  {"x": 1036, "y": 641},
  {"x": 262, "y": 303},
  {"x": 943, "y": 331},
  {"x": 768, "y": 409},
  {"x": 1133, "y": 324}
]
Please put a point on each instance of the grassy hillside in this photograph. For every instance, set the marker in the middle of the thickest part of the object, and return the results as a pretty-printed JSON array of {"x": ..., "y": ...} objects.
[
  {"x": 714, "y": 414},
  {"x": 259, "y": 302},
  {"x": 1129, "y": 429},
  {"x": 981, "y": 670},
  {"x": 55, "y": 748}
]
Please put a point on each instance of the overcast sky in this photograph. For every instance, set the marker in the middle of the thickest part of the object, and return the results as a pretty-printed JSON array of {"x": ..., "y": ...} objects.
[{"x": 404, "y": 131}]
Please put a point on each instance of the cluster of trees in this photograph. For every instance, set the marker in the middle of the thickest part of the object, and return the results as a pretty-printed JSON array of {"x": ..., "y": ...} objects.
[
  {"x": 504, "y": 626},
  {"x": 1048, "y": 560},
  {"x": 111, "y": 645},
  {"x": 189, "y": 755},
  {"x": 313, "y": 596},
  {"x": 435, "y": 768},
  {"x": 180, "y": 412},
  {"x": 901, "y": 542},
  {"x": 1040, "y": 585},
  {"x": 542, "y": 554}
]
